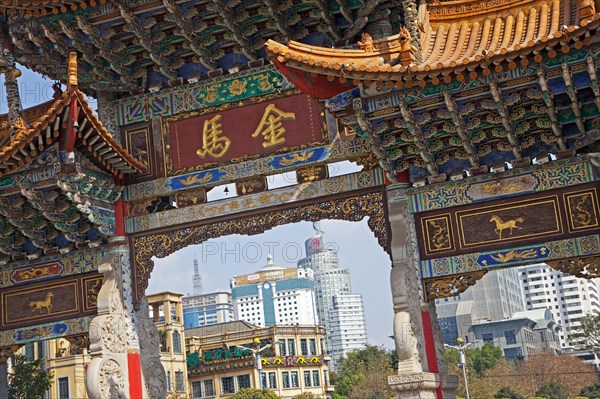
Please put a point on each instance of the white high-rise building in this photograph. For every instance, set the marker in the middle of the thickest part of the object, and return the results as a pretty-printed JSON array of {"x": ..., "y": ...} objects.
[
  {"x": 275, "y": 296},
  {"x": 569, "y": 299},
  {"x": 204, "y": 309},
  {"x": 339, "y": 310}
]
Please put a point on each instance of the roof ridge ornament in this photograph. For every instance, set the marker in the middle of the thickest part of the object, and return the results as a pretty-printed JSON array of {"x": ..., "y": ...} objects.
[{"x": 72, "y": 71}]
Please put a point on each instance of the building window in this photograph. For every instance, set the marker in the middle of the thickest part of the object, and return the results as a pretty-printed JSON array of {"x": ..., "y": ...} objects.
[
  {"x": 243, "y": 381},
  {"x": 307, "y": 382},
  {"x": 179, "y": 383},
  {"x": 273, "y": 380},
  {"x": 511, "y": 339},
  {"x": 312, "y": 346},
  {"x": 285, "y": 379},
  {"x": 325, "y": 377},
  {"x": 227, "y": 385},
  {"x": 282, "y": 351},
  {"x": 488, "y": 338},
  {"x": 209, "y": 388},
  {"x": 169, "y": 382},
  {"x": 63, "y": 388},
  {"x": 291, "y": 347},
  {"x": 176, "y": 342},
  {"x": 316, "y": 378},
  {"x": 295, "y": 379},
  {"x": 40, "y": 350},
  {"x": 303, "y": 347},
  {"x": 196, "y": 390},
  {"x": 29, "y": 352}
]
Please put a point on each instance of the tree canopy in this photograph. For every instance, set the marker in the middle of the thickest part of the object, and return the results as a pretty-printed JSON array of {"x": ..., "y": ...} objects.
[
  {"x": 592, "y": 391},
  {"x": 590, "y": 326},
  {"x": 553, "y": 390},
  {"x": 29, "y": 379},
  {"x": 252, "y": 393},
  {"x": 362, "y": 374}
]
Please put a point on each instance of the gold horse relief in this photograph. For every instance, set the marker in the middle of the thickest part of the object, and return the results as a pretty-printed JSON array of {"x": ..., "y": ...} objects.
[
  {"x": 508, "y": 225},
  {"x": 39, "y": 305}
]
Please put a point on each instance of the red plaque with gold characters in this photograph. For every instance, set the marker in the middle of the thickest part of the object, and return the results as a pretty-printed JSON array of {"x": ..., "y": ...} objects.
[{"x": 196, "y": 141}]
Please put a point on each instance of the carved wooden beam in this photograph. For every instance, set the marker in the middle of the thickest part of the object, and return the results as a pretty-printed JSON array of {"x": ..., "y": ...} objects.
[
  {"x": 506, "y": 120},
  {"x": 549, "y": 102},
  {"x": 186, "y": 30},
  {"x": 231, "y": 24},
  {"x": 586, "y": 267},
  {"x": 572, "y": 93},
  {"x": 279, "y": 18},
  {"x": 591, "y": 68},
  {"x": 419, "y": 140},
  {"x": 361, "y": 21},
  {"x": 461, "y": 129},
  {"x": 134, "y": 26},
  {"x": 451, "y": 285},
  {"x": 328, "y": 20}
]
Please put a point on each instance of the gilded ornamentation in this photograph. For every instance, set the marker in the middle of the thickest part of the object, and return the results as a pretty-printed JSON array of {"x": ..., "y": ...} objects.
[
  {"x": 440, "y": 238},
  {"x": 451, "y": 285},
  {"x": 513, "y": 255},
  {"x": 196, "y": 179},
  {"x": 509, "y": 224},
  {"x": 213, "y": 141},
  {"x": 271, "y": 126},
  {"x": 585, "y": 267},
  {"x": 352, "y": 208},
  {"x": 583, "y": 209},
  {"x": 293, "y": 159},
  {"x": 366, "y": 43},
  {"x": 39, "y": 305},
  {"x": 582, "y": 217}
]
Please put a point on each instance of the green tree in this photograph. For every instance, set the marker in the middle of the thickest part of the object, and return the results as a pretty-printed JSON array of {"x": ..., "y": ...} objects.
[
  {"x": 591, "y": 391},
  {"x": 590, "y": 326},
  {"x": 362, "y": 374},
  {"x": 251, "y": 393},
  {"x": 28, "y": 380},
  {"x": 507, "y": 393},
  {"x": 553, "y": 390},
  {"x": 306, "y": 395},
  {"x": 484, "y": 358}
]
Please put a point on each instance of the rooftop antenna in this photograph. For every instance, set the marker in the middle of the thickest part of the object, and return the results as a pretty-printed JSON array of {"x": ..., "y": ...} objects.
[
  {"x": 317, "y": 227},
  {"x": 197, "y": 278}
]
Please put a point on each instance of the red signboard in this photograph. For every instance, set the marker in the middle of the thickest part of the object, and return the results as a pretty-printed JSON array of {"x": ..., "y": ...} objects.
[{"x": 234, "y": 134}]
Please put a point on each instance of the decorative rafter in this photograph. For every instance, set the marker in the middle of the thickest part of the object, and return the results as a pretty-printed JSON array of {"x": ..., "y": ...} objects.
[
  {"x": 134, "y": 26},
  {"x": 461, "y": 129},
  {"x": 186, "y": 30},
  {"x": 548, "y": 100},
  {"x": 105, "y": 50},
  {"x": 363, "y": 17},
  {"x": 572, "y": 93},
  {"x": 591, "y": 68},
  {"x": 506, "y": 120},
  {"x": 231, "y": 24},
  {"x": 418, "y": 139}
]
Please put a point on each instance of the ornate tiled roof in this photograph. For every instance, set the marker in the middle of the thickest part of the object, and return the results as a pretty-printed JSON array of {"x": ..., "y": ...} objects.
[
  {"x": 42, "y": 130},
  {"x": 39, "y": 8},
  {"x": 457, "y": 37}
]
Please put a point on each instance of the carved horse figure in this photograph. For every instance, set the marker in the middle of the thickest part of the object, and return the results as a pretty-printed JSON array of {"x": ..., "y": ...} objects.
[
  {"x": 46, "y": 303},
  {"x": 509, "y": 224}
]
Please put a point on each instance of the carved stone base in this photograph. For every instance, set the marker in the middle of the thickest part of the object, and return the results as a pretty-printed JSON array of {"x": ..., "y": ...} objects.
[
  {"x": 449, "y": 384},
  {"x": 415, "y": 385}
]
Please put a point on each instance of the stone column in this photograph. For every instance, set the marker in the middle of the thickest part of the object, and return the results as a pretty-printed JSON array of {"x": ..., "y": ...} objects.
[
  {"x": 416, "y": 378},
  {"x": 107, "y": 376}
]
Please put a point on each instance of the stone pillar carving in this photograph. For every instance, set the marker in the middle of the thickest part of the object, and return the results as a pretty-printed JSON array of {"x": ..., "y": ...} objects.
[
  {"x": 449, "y": 382},
  {"x": 107, "y": 376},
  {"x": 413, "y": 379},
  {"x": 155, "y": 381}
]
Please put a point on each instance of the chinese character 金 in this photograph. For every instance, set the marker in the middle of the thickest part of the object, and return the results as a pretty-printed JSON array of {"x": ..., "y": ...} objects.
[
  {"x": 271, "y": 126},
  {"x": 213, "y": 141}
]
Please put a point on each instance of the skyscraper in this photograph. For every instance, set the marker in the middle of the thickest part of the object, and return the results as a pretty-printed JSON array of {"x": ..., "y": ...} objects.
[
  {"x": 339, "y": 310},
  {"x": 204, "y": 309},
  {"x": 275, "y": 295}
]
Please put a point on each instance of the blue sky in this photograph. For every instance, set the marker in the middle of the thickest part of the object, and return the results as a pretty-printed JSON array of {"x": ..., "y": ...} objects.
[{"x": 221, "y": 259}]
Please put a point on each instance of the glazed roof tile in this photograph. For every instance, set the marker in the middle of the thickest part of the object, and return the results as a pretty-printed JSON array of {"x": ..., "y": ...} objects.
[
  {"x": 46, "y": 129},
  {"x": 451, "y": 41}
]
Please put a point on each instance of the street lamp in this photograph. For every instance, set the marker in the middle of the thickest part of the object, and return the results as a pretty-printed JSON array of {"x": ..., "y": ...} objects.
[
  {"x": 463, "y": 360},
  {"x": 256, "y": 354}
]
